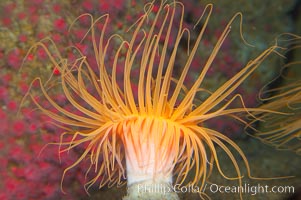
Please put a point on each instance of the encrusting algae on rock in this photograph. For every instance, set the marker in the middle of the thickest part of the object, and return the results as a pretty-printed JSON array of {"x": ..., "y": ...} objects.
[{"x": 150, "y": 130}]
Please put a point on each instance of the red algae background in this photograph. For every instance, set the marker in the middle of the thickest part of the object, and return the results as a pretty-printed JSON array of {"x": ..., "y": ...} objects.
[{"x": 30, "y": 171}]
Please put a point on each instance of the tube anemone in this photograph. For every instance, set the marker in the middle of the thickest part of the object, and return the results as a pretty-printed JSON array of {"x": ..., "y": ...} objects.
[
  {"x": 282, "y": 131},
  {"x": 149, "y": 137}
]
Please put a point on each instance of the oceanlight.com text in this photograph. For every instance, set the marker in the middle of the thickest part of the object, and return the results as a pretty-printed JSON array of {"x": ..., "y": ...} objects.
[{"x": 249, "y": 189}]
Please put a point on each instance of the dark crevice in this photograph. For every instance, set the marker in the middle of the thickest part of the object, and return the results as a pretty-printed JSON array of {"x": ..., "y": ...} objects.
[{"x": 294, "y": 15}]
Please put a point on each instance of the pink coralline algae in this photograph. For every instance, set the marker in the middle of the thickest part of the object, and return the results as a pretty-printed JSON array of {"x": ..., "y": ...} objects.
[
  {"x": 3, "y": 92},
  {"x": 14, "y": 58},
  {"x": 18, "y": 127},
  {"x": 12, "y": 106},
  {"x": 22, "y": 38},
  {"x": 60, "y": 24}
]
